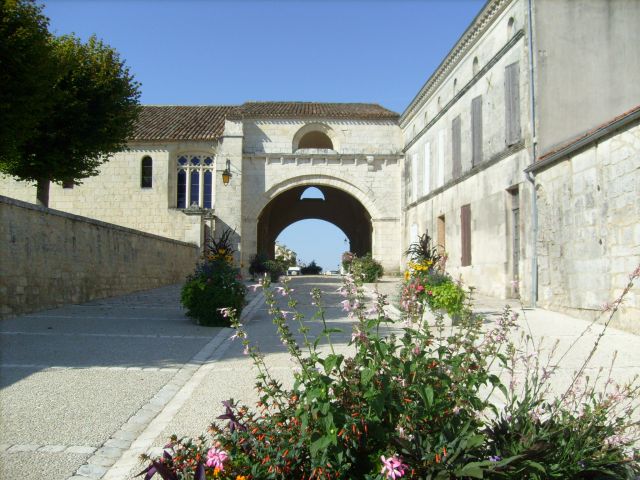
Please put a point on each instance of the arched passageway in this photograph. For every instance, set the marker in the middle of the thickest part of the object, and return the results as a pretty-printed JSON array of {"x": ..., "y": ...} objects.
[{"x": 337, "y": 207}]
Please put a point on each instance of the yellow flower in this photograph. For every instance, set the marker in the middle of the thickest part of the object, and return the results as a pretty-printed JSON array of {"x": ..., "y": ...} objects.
[
  {"x": 241, "y": 477},
  {"x": 406, "y": 275}
]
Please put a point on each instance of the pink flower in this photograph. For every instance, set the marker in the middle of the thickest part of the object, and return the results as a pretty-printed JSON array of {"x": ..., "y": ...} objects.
[
  {"x": 216, "y": 458},
  {"x": 419, "y": 288},
  {"x": 416, "y": 350},
  {"x": 255, "y": 287},
  {"x": 359, "y": 336},
  {"x": 226, "y": 312},
  {"x": 393, "y": 467},
  {"x": 346, "y": 305}
]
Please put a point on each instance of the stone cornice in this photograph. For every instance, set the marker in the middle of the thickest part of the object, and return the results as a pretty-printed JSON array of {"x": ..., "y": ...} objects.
[
  {"x": 498, "y": 157},
  {"x": 474, "y": 32},
  {"x": 322, "y": 156}
]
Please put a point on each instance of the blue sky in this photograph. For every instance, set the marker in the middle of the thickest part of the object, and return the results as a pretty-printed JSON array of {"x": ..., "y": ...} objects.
[{"x": 194, "y": 52}]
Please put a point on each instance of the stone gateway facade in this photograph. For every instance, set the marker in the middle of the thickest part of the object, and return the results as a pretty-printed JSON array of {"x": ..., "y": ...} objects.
[{"x": 520, "y": 156}]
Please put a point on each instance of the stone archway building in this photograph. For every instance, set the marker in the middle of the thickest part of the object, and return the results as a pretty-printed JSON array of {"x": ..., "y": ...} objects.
[{"x": 520, "y": 155}]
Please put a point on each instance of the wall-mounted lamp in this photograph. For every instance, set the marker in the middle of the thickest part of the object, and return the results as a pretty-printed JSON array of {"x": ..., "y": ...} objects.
[{"x": 226, "y": 174}]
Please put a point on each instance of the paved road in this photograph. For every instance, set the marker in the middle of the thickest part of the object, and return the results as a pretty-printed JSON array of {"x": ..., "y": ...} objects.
[{"x": 84, "y": 389}]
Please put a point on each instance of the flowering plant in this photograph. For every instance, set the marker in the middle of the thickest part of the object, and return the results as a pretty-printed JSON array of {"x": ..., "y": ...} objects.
[
  {"x": 215, "y": 284},
  {"x": 410, "y": 403},
  {"x": 347, "y": 258},
  {"x": 220, "y": 249}
]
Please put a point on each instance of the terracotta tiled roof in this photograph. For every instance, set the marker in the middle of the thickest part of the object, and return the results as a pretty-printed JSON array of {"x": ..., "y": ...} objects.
[
  {"x": 206, "y": 122},
  {"x": 171, "y": 122},
  {"x": 356, "y": 111}
]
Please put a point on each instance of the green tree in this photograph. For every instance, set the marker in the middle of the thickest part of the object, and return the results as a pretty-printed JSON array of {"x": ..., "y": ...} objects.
[
  {"x": 27, "y": 75},
  {"x": 91, "y": 110}
]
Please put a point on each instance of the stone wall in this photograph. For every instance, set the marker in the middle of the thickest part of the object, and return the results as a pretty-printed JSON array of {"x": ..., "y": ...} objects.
[
  {"x": 586, "y": 53},
  {"x": 589, "y": 228},
  {"x": 347, "y": 136},
  {"x": 116, "y": 196},
  {"x": 50, "y": 258}
]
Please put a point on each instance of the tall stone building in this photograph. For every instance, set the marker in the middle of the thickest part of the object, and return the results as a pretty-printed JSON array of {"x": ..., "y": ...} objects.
[
  {"x": 520, "y": 156},
  {"x": 522, "y": 153}
]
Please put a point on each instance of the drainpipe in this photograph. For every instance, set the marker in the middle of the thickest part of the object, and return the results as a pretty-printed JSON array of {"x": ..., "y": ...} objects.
[{"x": 529, "y": 175}]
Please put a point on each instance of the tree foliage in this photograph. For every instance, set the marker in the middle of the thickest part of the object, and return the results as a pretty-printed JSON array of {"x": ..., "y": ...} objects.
[
  {"x": 91, "y": 109},
  {"x": 26, "y": 74}
]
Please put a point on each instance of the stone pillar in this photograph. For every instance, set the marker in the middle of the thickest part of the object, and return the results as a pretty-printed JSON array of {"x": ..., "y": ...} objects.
[
  {"x": 228, "y": 198},
  {"x": 387, "y": 243}
]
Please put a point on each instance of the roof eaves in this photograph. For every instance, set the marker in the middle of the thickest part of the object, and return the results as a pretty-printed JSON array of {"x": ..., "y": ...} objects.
[{"x": 587, "y": 138}]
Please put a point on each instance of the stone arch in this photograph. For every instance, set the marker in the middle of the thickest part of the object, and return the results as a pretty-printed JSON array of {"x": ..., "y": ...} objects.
[
  {"x": 321, "y": 130},
  {"x": 339, "y": 208},
  {"x": 316, "y": 181}
]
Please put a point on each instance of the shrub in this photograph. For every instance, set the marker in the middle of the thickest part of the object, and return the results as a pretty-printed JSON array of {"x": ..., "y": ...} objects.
[
  {"x": 311, "y": 269},
  {"x": 276, "y": 269},
  {"x": 448, "y": 296},
  {"x": 213, "y": 286},
  {"x": 366, "y": 269},
  {"x": 347, "y": 258},
  {"x": 257, "y": 265}
]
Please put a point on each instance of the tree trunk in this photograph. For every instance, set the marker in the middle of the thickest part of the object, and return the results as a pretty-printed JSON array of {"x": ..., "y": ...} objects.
[{"x": 42, "y": 192}]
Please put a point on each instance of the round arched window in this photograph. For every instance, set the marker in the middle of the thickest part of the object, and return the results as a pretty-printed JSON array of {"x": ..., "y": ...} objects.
[{"x": 315, "y": 139}]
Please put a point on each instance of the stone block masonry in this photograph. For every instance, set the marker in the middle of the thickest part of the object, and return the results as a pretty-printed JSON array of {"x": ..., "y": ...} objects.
[{"x": 50, "y": 258}]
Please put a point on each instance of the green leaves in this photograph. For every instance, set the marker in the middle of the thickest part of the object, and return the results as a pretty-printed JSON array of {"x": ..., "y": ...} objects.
[
  {"x": 73, "y": 103},
  {"x": 332, "y": 361}
]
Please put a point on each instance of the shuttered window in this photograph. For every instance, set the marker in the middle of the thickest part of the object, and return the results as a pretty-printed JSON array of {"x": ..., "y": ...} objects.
[
  {"x": 465, "y": 223},
  {"x": 512, "y": 103},
  {"x": 456, "y": 144},
  {"x": 476, "y": 130},
  {"x": 441, "y": 235}
]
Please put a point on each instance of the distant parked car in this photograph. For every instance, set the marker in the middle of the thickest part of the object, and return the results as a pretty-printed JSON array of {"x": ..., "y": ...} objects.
[{"x": 293, "y": 271}]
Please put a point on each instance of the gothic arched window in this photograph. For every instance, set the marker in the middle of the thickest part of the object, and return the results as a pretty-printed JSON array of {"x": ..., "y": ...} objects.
[{"x": 195, "y": 181}]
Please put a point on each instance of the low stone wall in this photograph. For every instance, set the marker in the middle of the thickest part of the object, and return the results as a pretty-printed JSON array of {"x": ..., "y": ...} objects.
[{"x": 50, "y": 258}]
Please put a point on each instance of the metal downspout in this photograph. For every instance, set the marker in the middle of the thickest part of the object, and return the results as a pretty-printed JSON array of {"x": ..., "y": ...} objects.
[{"x": 529, "y": 175}]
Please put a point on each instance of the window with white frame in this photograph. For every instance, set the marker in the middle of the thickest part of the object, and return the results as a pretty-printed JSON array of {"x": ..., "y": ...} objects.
[
  {"x": 442, "y": 138},
  {"x": 414, "y": 177},
  {"x": 195, "y": 181}
]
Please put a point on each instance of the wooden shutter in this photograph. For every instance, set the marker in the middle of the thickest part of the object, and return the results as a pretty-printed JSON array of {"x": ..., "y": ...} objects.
[
  {"x": 456, "y": 143},
  {"x": 476, "y": 130},
  {"x": 465, "y": 222},
  {"x": 512, "y": 103},
  {"x": 441, "y": 234}
]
